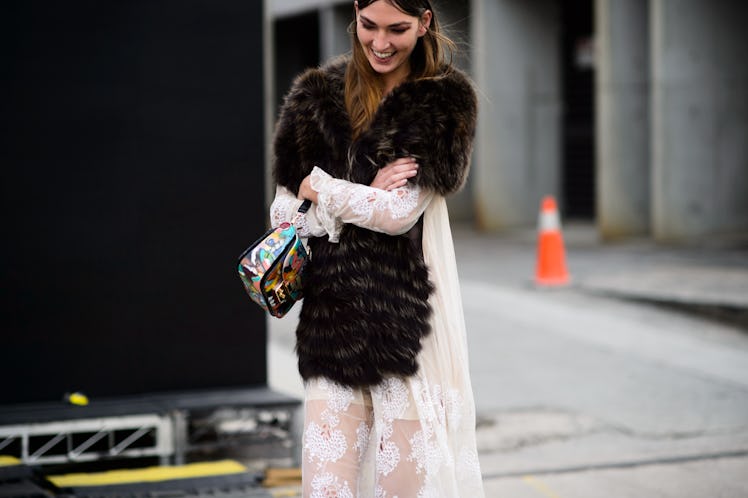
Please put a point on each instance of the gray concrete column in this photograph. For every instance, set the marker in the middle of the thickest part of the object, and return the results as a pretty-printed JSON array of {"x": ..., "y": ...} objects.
[
  {"x": 454, "y": 17},
  {"x": 268, "y": 82},
  {"x": 516, "y": 68},
  {"x": 699, "y": 119},
  {"x": 333, "y": 35},
  {"x": 622, "y": 120}
]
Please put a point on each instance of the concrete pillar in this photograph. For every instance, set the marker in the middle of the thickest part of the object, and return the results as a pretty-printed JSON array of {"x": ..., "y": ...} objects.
[
  {"x": 333, "y": 35},
  {"x": 454, "y": 17},
  {"x": 699, "y": 118},
  {"x": 268, "y": 85},
  {"x": 622, "y": 120},
  {"x": 517, "y": 70}
]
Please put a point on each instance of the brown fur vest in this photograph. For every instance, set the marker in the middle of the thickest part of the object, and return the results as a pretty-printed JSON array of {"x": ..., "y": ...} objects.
[{"x": 366, "y": 306}]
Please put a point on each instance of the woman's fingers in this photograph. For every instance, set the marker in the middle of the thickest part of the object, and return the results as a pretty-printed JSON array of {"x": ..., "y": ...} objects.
[
  {"x": 400, "y": 175},
  {"x": 403, "y": 167},
  {"x": 402, "y": 164},
  {"x": 404, "y": 173},
  {"x": 403, "y": 161},
  {"x": 401, "y": 171},
  {"x": 398, "y": 184},
  {"x": 401, "y": 179},
  {"x": 396, "y": 174}
]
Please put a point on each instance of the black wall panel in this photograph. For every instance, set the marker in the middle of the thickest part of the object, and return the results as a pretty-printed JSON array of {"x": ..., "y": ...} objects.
[
  {"x": 578, "y": 139},
  {"x": 132, "y": 177}
]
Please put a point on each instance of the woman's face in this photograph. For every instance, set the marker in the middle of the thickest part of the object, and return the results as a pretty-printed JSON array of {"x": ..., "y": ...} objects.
[{"x": 388, "y": 37}]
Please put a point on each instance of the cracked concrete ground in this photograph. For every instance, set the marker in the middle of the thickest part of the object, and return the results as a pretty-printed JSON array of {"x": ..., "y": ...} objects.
[{"x": 580, "y": 394}]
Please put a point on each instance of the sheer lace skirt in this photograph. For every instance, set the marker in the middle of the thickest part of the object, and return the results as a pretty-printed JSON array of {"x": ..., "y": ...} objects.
[
  {"x": 406, "y": 437},
  {"x": 360, "y": 439}
]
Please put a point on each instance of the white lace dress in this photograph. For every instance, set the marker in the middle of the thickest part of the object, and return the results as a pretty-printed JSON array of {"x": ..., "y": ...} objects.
[{"x": 406, "y": 437}]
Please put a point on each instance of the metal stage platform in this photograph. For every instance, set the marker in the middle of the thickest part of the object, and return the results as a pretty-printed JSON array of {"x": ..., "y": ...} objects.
[{"x": 169, "y": 426}]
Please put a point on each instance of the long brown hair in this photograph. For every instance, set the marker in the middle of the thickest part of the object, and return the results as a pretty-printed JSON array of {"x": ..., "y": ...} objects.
[{"x": 363, "y": 86}]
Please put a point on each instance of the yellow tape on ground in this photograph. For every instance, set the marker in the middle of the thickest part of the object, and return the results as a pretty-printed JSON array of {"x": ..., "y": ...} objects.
[
  {"x": 151, "y": 474},
  {"x": 8, "y": 461},
  {"x": 540, "y": 486}
]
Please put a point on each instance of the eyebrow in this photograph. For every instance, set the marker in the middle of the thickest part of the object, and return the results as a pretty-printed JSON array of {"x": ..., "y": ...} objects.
[{"x": 395, "y": 25}]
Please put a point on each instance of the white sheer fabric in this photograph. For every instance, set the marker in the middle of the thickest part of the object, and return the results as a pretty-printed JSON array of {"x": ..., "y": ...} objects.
[
  {"x": 389, "y": 211},
  {"x": 403, "y": 438},
  {"x": 284, "y": 208}
]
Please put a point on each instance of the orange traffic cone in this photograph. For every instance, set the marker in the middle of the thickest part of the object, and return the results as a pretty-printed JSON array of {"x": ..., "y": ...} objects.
[{"x": 551, "y": 263}]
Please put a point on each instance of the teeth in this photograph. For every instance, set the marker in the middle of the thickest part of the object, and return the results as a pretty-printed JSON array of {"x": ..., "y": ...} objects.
[{"x": 382, "y": 55}]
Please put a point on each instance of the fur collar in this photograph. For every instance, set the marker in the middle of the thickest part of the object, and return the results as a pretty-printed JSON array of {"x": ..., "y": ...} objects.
[{"x": 432, "y": 120}]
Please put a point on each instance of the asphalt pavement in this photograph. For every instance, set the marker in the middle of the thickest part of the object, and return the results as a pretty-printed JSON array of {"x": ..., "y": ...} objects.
[{"x": 630, "y": 381}]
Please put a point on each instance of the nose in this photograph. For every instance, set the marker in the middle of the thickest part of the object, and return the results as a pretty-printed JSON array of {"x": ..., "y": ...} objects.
[{"x": 379, "y": 42}]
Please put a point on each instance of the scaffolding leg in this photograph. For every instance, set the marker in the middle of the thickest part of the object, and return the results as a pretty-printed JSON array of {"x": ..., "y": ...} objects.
[
  {"x": 295, "y": 432},
  {"x": 179, "y": 421}
]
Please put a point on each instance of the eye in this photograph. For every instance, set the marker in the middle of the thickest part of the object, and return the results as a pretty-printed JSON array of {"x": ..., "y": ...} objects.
[
  {"x": 399, "y": 31},
  {"x": 367, "y": 25}
]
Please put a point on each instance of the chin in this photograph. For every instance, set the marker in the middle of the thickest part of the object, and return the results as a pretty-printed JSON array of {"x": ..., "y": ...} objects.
[{"x": 383, "y": 68}]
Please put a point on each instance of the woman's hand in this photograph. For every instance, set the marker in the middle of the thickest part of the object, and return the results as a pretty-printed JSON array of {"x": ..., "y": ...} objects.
[
  {"x": 306, "y": 191},
  {"x": 396, "y": 174}
]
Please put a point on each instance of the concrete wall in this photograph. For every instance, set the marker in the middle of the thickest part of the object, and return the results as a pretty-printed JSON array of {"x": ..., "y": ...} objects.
[
  {"x": 268, "y": 91},
  {"x": 622, "y": 120},
  {"x": 516, "y": 67},
  {"x": 281, "y": 8},
  {"x": 454, "y": 17},
  {"x": 333, "y": 27},
  {"x": 699, "y": 119}
]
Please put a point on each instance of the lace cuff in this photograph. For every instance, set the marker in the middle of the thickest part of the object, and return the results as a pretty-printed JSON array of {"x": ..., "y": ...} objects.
[
  {"x": 331, "y": 223},
  {"x": 389, "y": 211},
  {"x": 284, "y": 209}
]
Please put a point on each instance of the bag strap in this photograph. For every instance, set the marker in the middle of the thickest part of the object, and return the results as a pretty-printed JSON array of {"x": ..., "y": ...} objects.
[
  {"x": 302, "y": 210},
  {"x": 305, "y": 206}
]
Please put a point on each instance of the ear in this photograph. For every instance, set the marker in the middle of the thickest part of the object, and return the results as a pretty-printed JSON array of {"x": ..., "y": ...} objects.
[
  {"x": 424, "y": 23},
  {"x": 355, "y": 8}
]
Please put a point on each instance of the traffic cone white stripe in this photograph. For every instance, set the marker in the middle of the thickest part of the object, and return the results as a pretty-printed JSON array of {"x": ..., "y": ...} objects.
[{"x": 549, "y": 221}]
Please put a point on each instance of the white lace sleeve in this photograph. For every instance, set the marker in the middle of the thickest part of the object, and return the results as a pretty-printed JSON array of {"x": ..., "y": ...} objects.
[
  {"x": 284, "y": 208},
  {"x": 389, "y": 211}
]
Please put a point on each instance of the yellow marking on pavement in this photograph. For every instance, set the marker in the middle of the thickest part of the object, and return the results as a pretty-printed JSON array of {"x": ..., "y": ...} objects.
[
  {"x": 152, "y": 474},
  {"x": 8, "y": 461},
  {"x": 285, "y": 493},
  {"x": 540, "y": 486}
]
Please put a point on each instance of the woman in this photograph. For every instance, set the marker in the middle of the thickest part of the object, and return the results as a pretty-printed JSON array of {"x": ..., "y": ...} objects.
[{"x": 376, "y": 141}]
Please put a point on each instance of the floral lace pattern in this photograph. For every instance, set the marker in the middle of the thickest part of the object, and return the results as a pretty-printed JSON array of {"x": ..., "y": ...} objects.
[
  {"x": 328, "y": 485},
  {"x": 468, "y": 469},
  {"x": 399, "y": 202},
  {"x": 285, "y": 207},
  {"x": 362, "y": 439},
  {"x": 392, "y": 396},
  {"x": 341, "y": 202},
  {"x": 323, "y": 441},
  {"x": 405, "y": 422},
  {"x": 388, "y": 211}
]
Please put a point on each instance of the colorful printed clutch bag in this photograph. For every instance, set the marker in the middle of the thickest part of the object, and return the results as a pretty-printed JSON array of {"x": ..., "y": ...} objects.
[{"x": 271, "y": 268}]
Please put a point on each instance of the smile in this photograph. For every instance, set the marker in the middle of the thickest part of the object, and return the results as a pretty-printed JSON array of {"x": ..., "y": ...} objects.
[{"x": 382, "y": 55}]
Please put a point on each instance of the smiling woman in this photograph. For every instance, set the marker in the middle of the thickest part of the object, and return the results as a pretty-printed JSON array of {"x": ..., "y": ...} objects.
[
  {"x": 388, "y": 37},
  {"x": 376, "y": 141},
  {"x": 391, "y": 42}
]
